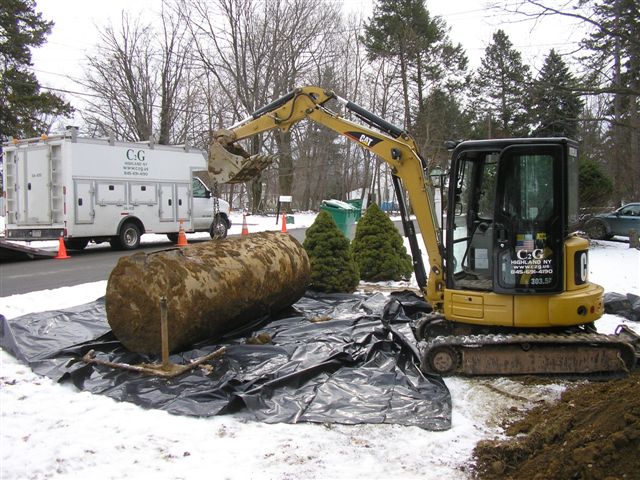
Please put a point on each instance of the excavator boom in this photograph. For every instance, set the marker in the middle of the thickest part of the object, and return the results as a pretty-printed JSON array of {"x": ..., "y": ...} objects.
[{"x": 230, "y": 163}]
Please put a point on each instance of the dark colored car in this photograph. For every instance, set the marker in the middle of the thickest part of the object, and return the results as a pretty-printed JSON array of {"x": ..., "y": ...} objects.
[{"x": 619, "y": 222}]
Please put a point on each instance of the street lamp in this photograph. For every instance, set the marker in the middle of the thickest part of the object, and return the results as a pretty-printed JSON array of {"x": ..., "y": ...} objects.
[{"x": 436, "y": 176}]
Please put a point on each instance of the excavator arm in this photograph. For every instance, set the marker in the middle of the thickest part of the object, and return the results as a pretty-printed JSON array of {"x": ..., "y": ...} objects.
[{"x": 229, "y": 163}]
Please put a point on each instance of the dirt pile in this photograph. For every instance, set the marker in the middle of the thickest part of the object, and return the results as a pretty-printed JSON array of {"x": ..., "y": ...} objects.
[{"x": 592, "y": 432}]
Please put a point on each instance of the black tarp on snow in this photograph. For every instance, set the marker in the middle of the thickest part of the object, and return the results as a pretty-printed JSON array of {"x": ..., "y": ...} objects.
[
  {"x": 356, "y": 365},
  {"x": 627, "y": 306}
]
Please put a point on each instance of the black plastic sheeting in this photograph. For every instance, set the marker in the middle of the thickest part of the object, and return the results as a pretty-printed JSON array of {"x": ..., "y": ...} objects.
[
  {"x": 627, "y": 306},
  {"x": 335, "y": 358}
]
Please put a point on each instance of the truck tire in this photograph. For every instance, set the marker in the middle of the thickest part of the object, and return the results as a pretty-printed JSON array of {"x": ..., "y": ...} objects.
[
  {"x": 597, "y": 230},
  {"x": 218, "y": 228},
  {"x": 128, "y": 238},
  {"x": 173, "y": 237},
  {"x": 76, "y": 243}
]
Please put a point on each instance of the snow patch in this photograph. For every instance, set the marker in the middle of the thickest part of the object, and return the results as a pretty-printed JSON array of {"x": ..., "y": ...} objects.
[{"x": 54, "y": 431}]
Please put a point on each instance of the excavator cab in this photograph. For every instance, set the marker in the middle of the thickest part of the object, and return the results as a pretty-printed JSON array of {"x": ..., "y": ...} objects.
[{"x": 513, "y": 205}]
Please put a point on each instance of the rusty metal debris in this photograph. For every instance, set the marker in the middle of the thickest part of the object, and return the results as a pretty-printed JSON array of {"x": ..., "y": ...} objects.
[
  {"x": 211, "y": 288},
  {"x": 169, "y": 370},
  {"x": 165, "y": 369}
]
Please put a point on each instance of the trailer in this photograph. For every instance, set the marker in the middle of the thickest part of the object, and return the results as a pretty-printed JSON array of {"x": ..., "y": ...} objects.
[{"x": 87, "y": 189}]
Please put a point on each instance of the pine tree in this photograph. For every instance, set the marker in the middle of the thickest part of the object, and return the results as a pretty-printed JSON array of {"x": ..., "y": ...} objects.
[
  {"x": 24, "y": 106},
  {"x": 441, "y": 118},
  {"x": 333, "y": 268},
  {"x": 404, "y": 32},
  {"x": 595, "y": 186},
  {"x": 556, "y": 106},
  {"x": 378, "y": 248},
  {"x": 500, "y": 87},
  {"x": 614, "y": 59}
]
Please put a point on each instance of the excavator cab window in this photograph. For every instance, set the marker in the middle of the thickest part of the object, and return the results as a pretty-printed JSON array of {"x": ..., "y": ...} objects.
[
  {"x": 529, "y": 220},
  {"x": 473, "y": 218}
]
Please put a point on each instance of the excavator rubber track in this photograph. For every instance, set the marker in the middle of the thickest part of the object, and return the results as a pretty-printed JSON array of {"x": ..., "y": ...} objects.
[{"x": 531, "y": 353}]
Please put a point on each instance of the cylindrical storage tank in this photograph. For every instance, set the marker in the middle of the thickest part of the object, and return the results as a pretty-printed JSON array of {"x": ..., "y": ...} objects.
[{"x": 211, "y": 288}]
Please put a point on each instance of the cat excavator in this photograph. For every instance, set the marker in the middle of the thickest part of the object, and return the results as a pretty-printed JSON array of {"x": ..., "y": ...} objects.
[{"x": 508, "y": 281}]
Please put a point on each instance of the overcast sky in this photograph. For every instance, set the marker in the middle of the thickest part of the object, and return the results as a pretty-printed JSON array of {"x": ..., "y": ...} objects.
[{"x": 472, "y": 23}]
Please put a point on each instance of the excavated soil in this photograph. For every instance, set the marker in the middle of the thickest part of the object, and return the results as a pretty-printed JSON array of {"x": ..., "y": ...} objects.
[{"x": 592, "y": 432}]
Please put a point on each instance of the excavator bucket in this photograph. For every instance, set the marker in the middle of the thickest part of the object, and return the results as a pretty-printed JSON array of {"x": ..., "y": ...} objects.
[{"x": 232, "y": 164}]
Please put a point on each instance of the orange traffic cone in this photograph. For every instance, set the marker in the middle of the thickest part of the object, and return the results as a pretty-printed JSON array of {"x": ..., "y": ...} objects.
[
  {"x": 62, "y": 251},
  {"x": 284, "y": 223},
  {"x": 245, "y": 229},
  {"x": 182, "y": 238}
]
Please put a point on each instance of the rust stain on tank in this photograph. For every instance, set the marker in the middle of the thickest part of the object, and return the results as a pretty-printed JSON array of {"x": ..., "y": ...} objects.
[{"x": 211, "y": 288}]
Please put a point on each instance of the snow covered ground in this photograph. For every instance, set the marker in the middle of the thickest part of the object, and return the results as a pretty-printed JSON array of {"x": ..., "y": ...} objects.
[{"x": 49, "y": 430}]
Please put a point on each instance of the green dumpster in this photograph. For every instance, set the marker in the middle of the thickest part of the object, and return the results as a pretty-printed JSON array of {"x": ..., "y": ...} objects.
[
  {"x": 343, "y": 214},
  {"x": 357, "y": 204}
]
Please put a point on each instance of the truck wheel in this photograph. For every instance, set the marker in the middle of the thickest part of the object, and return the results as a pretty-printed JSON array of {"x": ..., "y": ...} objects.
[
  {"x": 218, "y": 228},
  {"x": 76, "y": 243},
  {"x": 597, "y": 230},
  {"x": 128, "y": 238},
  {"x": 173, "y": 237}
]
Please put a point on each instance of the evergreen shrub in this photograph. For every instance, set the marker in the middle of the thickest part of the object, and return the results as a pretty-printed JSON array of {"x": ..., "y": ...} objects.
[
  {"x": 333, "y": 268},
  {"x": 378, "y": 248}
]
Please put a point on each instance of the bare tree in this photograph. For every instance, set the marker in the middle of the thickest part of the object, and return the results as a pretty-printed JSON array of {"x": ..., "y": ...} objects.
[
  {"x": 258, "y": 51},
  {"x": 142, "y": 83},
  {"x": 178, "y": 90},
  {"x": 120, "y": 78}
]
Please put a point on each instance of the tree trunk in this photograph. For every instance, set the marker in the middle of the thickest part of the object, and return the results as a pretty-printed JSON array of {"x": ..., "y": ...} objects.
[{"x": 285, "y": 168}]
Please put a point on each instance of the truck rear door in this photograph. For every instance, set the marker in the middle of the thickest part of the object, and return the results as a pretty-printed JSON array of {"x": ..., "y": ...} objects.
[{"x": 33, "y": 186}]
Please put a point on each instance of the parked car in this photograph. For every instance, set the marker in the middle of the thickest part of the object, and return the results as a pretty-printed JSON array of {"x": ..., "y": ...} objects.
[{"x": 619, "y": 222}]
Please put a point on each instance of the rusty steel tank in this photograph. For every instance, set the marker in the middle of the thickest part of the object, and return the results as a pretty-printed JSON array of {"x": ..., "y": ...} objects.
[{"x": 211, "y": 288}]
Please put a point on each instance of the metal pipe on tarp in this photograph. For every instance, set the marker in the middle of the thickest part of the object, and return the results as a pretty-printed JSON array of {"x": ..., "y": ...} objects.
[{"x": 211, "y": 288}]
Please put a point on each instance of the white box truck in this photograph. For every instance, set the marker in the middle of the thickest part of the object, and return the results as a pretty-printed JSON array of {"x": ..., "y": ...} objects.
[{"x": 85, "y": 189}]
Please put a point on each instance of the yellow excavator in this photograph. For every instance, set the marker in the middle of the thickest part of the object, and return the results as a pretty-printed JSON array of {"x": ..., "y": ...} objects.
[{"x": 509, "y": 282}]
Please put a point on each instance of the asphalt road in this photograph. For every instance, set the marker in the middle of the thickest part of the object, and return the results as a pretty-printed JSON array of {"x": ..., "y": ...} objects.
[{"x": 90, "y": 265}]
